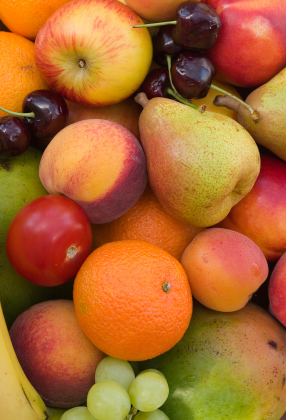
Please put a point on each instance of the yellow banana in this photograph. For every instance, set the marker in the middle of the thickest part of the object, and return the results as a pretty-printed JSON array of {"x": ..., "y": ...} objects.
[{"x": 18, "y": 398}]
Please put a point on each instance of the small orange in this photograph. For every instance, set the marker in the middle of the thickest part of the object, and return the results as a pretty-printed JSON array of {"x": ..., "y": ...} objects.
[
  {"x": 132, "y": 299},
  {"x": 148, "y": 221},
  {"x": 19, "y": 74},
  {"x": 26, "y": 17}
]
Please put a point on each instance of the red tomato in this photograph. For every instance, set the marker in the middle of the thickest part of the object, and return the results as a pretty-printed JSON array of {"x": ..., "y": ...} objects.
[{"x": 48, "y": 240}]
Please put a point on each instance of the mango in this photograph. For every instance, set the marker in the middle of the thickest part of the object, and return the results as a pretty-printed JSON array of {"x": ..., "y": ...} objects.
[{"x": 228, "y": 366}]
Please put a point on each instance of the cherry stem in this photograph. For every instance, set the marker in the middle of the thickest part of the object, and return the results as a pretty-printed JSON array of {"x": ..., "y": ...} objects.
[
  {"x": 149, "y": 25},
  {"x": 251, "y": 110},
  {"x": 19, "y": 114},
  {"x": 173, "y": 92}
]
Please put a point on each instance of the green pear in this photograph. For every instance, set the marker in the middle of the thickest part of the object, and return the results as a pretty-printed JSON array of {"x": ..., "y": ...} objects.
[
  {"x": 227, "y": 366},
  {"x": 268, "y": 102},
  {"x": 19, "y": 184},
  {"x": 200, "y": 164}
]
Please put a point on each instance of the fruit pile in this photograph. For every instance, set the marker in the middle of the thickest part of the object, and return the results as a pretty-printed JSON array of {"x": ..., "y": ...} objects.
[{"x": 143, "y": 208}]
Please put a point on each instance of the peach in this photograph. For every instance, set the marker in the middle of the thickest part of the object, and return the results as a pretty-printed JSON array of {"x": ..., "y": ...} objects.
[
  {"x": 224, "y": 268},
  {"x": 277, "y": 290},
  {"x": 125, "y": 113},
  {"x": 97, "y": 163},
  {"x": 57, "y": 357},
  {"x": 261, "y": 214}
]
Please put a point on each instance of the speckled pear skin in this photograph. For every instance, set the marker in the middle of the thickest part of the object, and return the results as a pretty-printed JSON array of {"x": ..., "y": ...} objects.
[
  {"x": 199, "y": 164},
  {"x": 269, "y": 100},
  {"x": 228, "y": 366}
]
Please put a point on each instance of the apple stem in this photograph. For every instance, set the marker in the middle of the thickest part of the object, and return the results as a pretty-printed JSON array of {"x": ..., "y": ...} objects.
[
  {"x": 150, "y": 25},
  {"x": 219, "y": 102},
  {"x": 19, "y": 114}
]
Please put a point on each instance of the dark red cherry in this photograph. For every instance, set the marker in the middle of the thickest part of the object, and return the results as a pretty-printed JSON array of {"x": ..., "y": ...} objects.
[
  {"x": 15, "y": 136},
  {"x": 197, "y": 26},
  {"x": 192, "y": 75},
  {"x": 51, "y": 113},
  {"x": 163, "y": 44},
  {"x": 156, "y": 83}
]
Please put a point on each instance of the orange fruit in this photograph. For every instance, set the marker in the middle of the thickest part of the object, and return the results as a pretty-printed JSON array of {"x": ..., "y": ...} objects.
[
  {"x": 26, "y": 17},
  {"x": 147, "y": 221},
  {"x": 132, "y": 299},
  {"x": 19, "y": 74}
]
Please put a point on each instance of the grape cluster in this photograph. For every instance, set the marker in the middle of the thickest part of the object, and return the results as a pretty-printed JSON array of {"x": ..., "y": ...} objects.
[
  {"x": 185, "y": 41},
  {"x": 119, "y": 394},
  {"x": 44, "y": 114}
]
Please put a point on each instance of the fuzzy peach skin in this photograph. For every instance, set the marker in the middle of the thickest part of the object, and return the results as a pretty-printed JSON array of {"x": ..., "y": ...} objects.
[
  {"x": 224, "y": 268},
  {"x": 89, "y": 52},
  {"x": 261, "y": 214},
  {"x": 57, "y": 357},
  {"x": 251, "y": 47},
  {"x": 155, "y": 11},
  {"x": 125, "y": 113},
  {"x": 97, "y": 163}
]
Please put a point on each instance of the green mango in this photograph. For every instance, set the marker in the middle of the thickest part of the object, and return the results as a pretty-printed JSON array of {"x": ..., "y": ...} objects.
[
  {"x": 19, "y": 184},
  {"x": 227, "y": 366}
]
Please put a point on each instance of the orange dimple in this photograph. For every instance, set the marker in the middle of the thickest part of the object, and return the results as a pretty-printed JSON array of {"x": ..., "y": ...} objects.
[{"x": 122, "y": 304}]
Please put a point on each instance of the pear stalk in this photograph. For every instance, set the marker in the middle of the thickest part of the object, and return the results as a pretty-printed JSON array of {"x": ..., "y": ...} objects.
[{"x": 232, "y": 102}]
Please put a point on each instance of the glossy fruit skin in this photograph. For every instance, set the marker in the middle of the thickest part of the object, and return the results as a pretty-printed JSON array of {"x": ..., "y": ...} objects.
[
  {"x": 42, "y": 237},
  {"x": 156, "y": 83},
  {"x": 163, "y": 43},
  {"x": 192, "y": 75},
  {"x": 51, "y": 113},
  {"x": 15, "y": 136},
  {"x": 197, "y": 27}
]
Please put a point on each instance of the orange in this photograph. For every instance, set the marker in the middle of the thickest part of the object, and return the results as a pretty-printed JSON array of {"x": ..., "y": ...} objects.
[
  {"x": 132, "y": 299},
  {"x": 19, "y": 74},
  {"x": 26, "y": 17},
  {"x": 148, "y": 221}
]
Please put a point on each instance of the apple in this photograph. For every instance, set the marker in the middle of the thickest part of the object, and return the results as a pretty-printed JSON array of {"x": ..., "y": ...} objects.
[
  {"x": 224, "y": 268},
  {"x": 277, "y": 290},
  {"x": 89, "y": 52},
  {"x": 55, "y": 354},
  {"x": 251, "y": 47},
  {"x": 97, "y": 163},
  {"x": 125, "y": 113},
  {"x": 261, "y": 214}
]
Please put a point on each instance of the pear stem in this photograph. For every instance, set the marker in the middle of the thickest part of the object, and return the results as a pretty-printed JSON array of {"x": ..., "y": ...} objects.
[
  {"x": 219, "y": 102},
  {"x": 19, "y": 114},
  {"x": 150, "y": 25}
]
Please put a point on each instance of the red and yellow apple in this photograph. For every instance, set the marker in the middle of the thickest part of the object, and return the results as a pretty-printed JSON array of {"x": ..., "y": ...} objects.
[
  {"x": 224, "y": 268},
  {"x": 97, "y": 163},
  {"x": 125, "y": 113},
  {"x": 89, "y": 52},
  {"x": 277, "y": 290},
  {"x": 57, "y": 357},
  {"x": 251, "y": 47},
  {"x": 261, "y": 214}
]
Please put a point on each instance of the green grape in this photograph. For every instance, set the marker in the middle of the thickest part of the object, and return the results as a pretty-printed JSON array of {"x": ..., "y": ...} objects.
[
  {"x": 151, "y": 415},
  {"x": 77, "y": 413},
  {"x": 112, "y": 369},
  {"x": 148, "y": 391},
  {"x": 108, "y": 400},
  {"x": 153, "y": 370}
]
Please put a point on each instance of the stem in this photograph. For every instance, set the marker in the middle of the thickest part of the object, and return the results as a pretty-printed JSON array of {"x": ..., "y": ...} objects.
[
  {"x": 19, "y": 114},
  {"x": 149, "y": 25},
  {"x": 173, "y": 92},
  {"x": 252, "y": 112}
]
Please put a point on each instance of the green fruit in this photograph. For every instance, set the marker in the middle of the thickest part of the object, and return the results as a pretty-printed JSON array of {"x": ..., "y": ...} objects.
[
  {"x": 228, "y": 366},
  {"x": 19, "y": 184}
]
